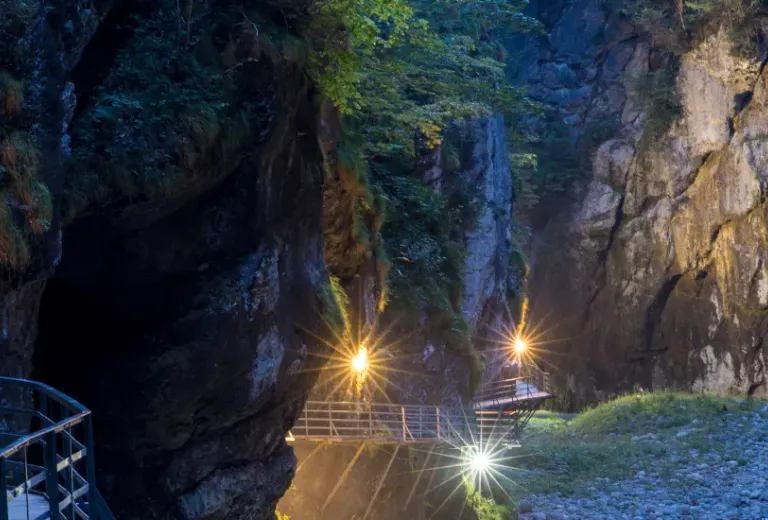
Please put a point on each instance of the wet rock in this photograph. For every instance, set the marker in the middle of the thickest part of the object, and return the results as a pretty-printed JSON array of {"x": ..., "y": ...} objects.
[{"x": 524, "y": 506}]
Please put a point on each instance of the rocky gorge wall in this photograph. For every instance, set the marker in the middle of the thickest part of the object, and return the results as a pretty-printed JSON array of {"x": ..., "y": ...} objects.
[
  {"x": 491, "y": 282},
  {"x": 185, "y": 297},
  {"x": 651, "y": 275}
]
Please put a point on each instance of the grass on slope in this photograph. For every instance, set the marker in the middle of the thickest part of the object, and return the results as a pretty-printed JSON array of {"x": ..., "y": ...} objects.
[{"x": 649, "y": 432}]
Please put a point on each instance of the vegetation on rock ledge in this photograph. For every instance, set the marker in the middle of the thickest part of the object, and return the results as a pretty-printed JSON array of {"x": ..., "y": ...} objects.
[{"x": 400, "y": 72}]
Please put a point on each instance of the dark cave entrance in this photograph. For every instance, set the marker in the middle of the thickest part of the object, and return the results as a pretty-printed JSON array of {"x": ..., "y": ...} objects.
[
  {"x": 74, "y": 329},
  {"x": 92, "y": 320}
]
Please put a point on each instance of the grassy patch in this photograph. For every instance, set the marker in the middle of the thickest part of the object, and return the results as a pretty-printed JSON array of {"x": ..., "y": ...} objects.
[
  {"x": 655, "y": 412},
  {"x": 569, "y": 454}
]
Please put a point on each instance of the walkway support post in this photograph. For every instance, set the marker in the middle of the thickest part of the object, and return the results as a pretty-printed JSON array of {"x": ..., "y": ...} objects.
[
  {"x": 370, "y": 421},
  {"x": 51, "y": 474},
  {"x": 3, "y": 487},
  {"x": 90, "y": 464},
  {"x": 402, "y": 413},
  {"x": 343, "y": 476}
]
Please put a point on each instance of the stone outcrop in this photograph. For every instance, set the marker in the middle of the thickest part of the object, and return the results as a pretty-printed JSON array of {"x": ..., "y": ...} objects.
[
  {"x": 652, "y": 275},
  {"x": 191, "y": 324},
  {"x": 491, "y": 284},
  {"x": 488, "y": 240}
]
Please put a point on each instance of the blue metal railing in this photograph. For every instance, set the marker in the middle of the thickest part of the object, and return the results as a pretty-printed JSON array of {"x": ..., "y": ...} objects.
[{"x": 46, "y": 446}]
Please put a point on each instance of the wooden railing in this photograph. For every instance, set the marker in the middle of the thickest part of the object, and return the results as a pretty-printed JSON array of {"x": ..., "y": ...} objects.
[{"x": 47, "y": 466}]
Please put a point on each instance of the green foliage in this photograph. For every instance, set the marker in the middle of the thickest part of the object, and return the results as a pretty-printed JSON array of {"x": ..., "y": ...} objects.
[
  {"x": 169, "y": 113},
  {"x": 334, "y": 303},
  {"x": 681, "y": 23},
  {"x": 424, "y": 244},
  {"x": 427, "y": 260},
  {"x": 400, "y": 72},
  {"x": 351, "y": 32},
  {"x": 26, "y": 208},
  {"x": 485, "y": 508},
  {"x": 280, "y": 516},
  {"x": 408, "y": 68},
  {"x": 659, "y": 100}
]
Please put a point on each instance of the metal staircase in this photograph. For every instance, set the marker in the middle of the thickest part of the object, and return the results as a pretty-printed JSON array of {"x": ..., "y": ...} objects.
[
  {"x": 507, "y": 405},
  {"x": 46, "y": 455}
]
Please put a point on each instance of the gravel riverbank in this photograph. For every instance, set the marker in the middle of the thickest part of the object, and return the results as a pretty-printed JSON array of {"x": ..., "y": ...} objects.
[{"x": 707, "y": 463}]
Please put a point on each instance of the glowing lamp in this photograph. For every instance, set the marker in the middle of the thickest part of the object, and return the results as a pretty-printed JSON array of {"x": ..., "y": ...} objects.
[
  {"x": 520, "y": 345},
  {"x": 360, "y": 361},
  {"x": 479, "y": 462}
]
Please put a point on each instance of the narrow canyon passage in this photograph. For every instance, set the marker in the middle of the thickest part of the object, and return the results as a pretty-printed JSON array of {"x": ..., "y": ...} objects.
[{"x": 210, "y": 208}]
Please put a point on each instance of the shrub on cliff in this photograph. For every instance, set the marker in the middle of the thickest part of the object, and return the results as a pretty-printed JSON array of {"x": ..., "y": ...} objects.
[
  {"x": 399, "y": 72},
  {"x": 680, "y": 23},
  {"x": 405, "y": 67},
  {"x": 26, "y": 208}
]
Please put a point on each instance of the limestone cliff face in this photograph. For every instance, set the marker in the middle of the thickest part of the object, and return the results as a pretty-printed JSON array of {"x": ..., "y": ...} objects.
[
  {"x": 653, "y": 274},
  {"x": 186, "y": 321},
  {"x": 491, "y": 283},
  {"x": 488, "y": 239}
]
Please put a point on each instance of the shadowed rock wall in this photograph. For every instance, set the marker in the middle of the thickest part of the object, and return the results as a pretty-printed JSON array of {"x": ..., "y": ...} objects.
[{"x": 185, "y": 313}]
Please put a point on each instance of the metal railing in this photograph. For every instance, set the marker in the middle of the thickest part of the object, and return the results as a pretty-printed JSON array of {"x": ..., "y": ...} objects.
[
  {"x": 47, "y": 467},
  {"x": 378, "y": 422},
  {"x": 534, "y": 386},
  {"x": 411, "y": 424}
]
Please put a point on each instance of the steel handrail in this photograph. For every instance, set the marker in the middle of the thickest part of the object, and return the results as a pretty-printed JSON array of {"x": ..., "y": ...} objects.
[
  {"x": 78, "y": 496},
  {"x": 29, "y": 439},
  {"x": 64, "y": 424}
]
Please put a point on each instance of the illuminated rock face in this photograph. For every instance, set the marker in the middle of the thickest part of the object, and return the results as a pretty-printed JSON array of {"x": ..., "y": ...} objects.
[{"x": 654, "y": 274}]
